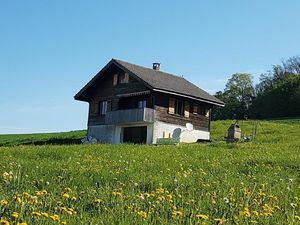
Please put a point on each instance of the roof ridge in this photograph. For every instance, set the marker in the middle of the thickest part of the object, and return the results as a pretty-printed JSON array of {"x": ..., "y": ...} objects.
[{"x": 159, "y": 71}]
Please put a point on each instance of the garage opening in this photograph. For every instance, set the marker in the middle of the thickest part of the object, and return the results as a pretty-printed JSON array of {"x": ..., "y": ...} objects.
[{"x": 136, "y": 135}]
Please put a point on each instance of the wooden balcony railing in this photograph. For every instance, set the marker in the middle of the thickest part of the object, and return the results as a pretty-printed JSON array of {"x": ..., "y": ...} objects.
[{"x": 127, "y": 116}]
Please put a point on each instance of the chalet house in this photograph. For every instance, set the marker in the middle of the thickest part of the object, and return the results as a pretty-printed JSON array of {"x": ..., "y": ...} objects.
[{"x": 131, "y": 103}]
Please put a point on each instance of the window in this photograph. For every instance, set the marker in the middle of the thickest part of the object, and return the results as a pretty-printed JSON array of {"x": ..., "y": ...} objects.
[
  {"x": 142, "y": 104},
  {"x": 121, "y": 78},
  {"x": 179, "y": 107},
  {"x": 195, "y": 108},
  {"x": 103, "y": 107},
  {"x": 201, "y": 110}
]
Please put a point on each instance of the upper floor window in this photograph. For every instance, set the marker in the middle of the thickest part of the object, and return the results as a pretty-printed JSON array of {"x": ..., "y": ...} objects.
[
  {"x": 179, "y": 107},
  {"x": 142, "y": 104},
  {"x": 201, "y": 109},
  {"x": 103, "y": 107},
  {"x": 121, "y": 78}
]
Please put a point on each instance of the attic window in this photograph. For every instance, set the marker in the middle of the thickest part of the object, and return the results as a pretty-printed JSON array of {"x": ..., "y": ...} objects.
[{"x": 122, "y": 78}]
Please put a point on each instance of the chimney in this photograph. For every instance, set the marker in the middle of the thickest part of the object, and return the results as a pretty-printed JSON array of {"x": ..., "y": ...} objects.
[{"x": 156, "y": 66}]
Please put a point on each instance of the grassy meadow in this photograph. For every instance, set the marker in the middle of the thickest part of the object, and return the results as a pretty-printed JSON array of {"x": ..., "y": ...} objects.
[{"x": 255, "y": 182}]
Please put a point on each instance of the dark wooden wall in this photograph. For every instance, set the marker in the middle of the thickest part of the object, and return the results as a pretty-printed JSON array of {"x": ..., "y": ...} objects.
[
  {"x": 104, "y": 90},
  {"x": 200, "y": 122}
]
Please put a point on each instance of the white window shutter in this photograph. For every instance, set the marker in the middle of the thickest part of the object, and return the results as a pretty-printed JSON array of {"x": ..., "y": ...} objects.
[
  {"x": 171, "y": 105},
  {"x": 186, "y": 109}
]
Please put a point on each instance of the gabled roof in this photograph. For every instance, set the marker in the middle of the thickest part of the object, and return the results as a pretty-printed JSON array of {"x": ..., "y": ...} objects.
[{"x": 161, "y": 82}]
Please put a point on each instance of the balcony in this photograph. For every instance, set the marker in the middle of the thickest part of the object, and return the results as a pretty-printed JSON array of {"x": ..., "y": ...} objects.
[{"x": 126, "y": 116}]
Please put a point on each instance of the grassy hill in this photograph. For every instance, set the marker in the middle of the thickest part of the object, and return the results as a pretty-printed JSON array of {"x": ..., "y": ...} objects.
[
  {"x": 72, "y": 137},
  {"x": 203, "y": 183}
]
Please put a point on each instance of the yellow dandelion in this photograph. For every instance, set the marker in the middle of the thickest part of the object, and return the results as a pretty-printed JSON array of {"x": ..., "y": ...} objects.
[
  {"x": 55, "y": 217},
  {"x": 255, "y": 213},
  {"x": 18, "y": 200},
  {"x": 116, "y": 193},
  {"x": 21, "y": 223},
  {"x": 3, "y": 202},
  {"x": 4, "y": 222},
  {"x": 202, "y": 216},
  {"x": 297, "y": 218},
  {"x": 245, "y": 212},
  {"x": 142, "y": 214},
  {"x": 15, "y": 215},
  {"x": 98, "y": 200},
  {"x": 219, "y": 220},
  {"x": 64, "y": 222},
  {"x": 66, "y": 195},
  {"x": 36, "y": 214},
  {"x": 44, "y": 214},
  {"x": 67, "y": 189},
  {"x": 177, "y": 214}
]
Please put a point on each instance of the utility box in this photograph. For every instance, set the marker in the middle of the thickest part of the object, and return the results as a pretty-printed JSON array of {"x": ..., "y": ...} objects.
[{"x": 234, "y": 133}]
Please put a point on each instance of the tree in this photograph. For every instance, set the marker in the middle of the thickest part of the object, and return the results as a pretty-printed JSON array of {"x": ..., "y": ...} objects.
[
  {"x": 278, "y": 93},
  {"x": 237, "y": 96}
]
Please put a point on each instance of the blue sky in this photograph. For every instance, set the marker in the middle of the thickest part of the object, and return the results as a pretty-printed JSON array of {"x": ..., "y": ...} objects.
[{"x": 49, "y": 49}]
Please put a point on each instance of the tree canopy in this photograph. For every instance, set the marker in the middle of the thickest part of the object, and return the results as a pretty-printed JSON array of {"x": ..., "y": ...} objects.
[{"x": 276, "y": 95}]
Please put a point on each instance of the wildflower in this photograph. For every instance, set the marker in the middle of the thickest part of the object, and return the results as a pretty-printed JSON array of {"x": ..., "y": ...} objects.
[
  {"x": 268, "y": 210},
  {"x": 160, "y": 190},
  {"x": 36, "y": 214},
  {"x": 219, "y": 220},
  {"x": 44, "y": 214},
  {"x": 245, "y": 212},
  {"x": 116, "y": 193},
  {"x": 55, "y": 217},
  {"x": 142, "y": 214},
  {"x": 3, "y": 202},
  {"x": 226, "y": 200},
  {"x": 64, "y": 222},
  {"x": 4, "y": 222},
  {"x": 98, "y": 200},
  {"x": 297, "y": 218},
  {"x": 253, "y": 221},
  {"x": 202, "y": 216},
  {"x": 68, "y": 189},
  {"x": 15, "y": 215},
  {"x": 177, "y": 214},
  {"x": 66, "y": 195},
  {"x": 255, "y": 213},
  {"x": 161, "y": 198},
  {"x": 22, "y": 223},
  {"x": 18, "y": 200}
]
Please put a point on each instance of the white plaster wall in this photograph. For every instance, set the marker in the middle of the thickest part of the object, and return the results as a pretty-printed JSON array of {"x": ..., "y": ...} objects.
[{"x": 178, "y": 131}]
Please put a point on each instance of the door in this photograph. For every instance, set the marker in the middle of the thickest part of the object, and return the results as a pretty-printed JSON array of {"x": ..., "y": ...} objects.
[{"x": 136, "y": 135}]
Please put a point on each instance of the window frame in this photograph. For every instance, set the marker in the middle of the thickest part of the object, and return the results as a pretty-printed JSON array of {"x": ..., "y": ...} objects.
[
  {"x": 143, "y": 104},
  {"x": 103, "y": 106}
]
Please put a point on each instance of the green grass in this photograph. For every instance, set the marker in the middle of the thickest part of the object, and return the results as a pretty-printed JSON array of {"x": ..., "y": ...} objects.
[
  {"x": 72, "y": 137},
  {"x": 239, "y": 183}
]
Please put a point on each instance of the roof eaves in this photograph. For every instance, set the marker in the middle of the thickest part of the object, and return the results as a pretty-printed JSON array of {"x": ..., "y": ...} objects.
[{"x": 191, "y": 97}]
